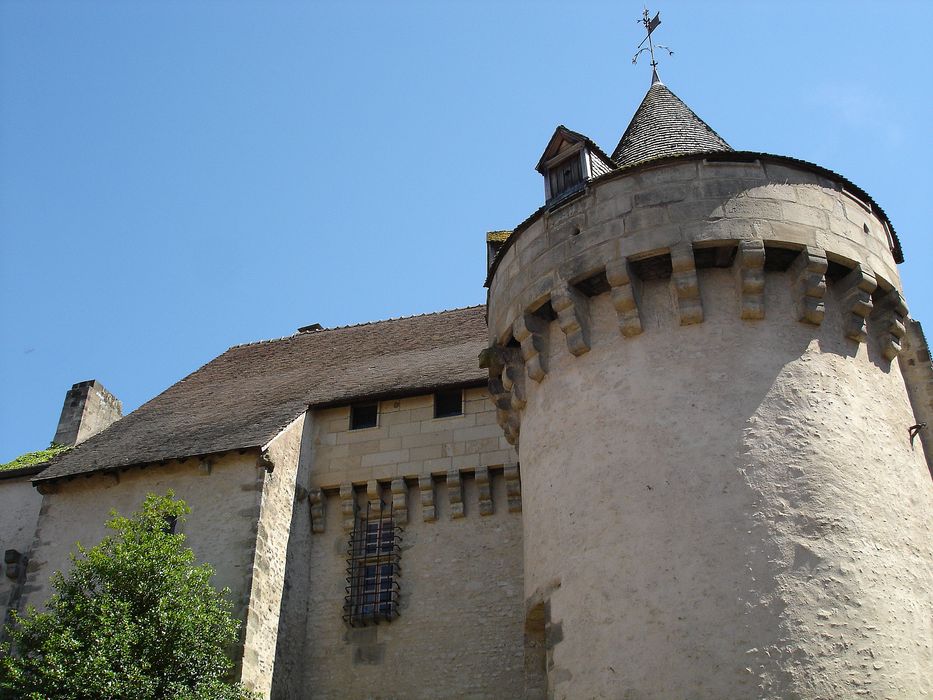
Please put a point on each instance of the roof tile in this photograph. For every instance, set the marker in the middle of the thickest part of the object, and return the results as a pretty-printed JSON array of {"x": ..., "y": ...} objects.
[
  {"x": 244, "y": 397},
  {"x": 664, "y": 126}
]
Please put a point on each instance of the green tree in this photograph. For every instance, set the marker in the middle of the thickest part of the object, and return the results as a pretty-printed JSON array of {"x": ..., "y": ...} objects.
[{"x": 134, "y": 618}]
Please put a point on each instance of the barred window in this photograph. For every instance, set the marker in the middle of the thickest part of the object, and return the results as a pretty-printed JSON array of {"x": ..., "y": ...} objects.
[{"x": 372, "y": 570}]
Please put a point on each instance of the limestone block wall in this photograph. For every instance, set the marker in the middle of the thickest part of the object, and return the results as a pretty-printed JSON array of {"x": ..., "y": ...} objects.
[
  {"x": 408, "y": 441},
  {"x": 454, "y": 487},
  {"x": 224, "y": 495},
  {"x": 699, "y": 363},
  {"x": 19, "y": 513}
]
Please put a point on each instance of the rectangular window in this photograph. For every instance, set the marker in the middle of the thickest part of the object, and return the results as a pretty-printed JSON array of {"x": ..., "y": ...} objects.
[
  {"x": 364, "y": 415},
  {"x": 372, "y": 580},
  {"x": 448, "y": 402}
]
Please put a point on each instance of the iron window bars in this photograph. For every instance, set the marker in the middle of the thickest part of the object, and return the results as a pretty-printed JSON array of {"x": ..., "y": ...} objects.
[{"x": 372, "y": 589}]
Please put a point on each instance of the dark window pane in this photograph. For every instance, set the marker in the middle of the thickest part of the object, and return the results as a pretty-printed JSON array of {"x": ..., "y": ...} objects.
[
  {"x": 448, "y": 403},
  {"x": 363, "y": 415}
]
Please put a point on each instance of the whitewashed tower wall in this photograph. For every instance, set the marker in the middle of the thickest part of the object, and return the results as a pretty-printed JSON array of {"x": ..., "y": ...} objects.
[{"x": 699, "y": 362}]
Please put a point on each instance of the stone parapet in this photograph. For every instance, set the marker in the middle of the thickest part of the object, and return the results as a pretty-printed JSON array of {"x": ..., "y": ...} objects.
[
  {"x": 666, "y": 211},
  {"x": 674, "y": 222}
]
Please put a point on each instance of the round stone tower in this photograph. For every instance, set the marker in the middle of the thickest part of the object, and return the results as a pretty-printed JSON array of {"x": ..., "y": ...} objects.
[{"x": 695, "y": 349}]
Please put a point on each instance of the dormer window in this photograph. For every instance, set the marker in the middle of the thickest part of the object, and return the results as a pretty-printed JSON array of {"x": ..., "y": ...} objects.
[{"x": 569, "y": 160}]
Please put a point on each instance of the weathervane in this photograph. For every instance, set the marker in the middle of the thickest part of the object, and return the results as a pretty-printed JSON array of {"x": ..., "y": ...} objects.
[{"x": 650, "y": 26}]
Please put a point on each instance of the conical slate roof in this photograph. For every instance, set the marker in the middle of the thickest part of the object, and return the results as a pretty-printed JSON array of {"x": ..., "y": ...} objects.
[{"x": 664, "y": 126}]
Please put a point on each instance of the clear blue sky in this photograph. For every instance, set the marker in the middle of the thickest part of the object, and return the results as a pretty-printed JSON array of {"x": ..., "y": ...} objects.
[{"x": 179, "y": 177}]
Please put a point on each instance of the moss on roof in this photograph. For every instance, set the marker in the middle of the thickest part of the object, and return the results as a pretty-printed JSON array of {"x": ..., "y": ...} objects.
[
  {"x": 497, "y": 236},
  {"x": 32, "y": 459}
]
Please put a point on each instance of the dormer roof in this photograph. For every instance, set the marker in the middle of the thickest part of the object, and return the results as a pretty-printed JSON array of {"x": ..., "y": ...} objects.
[
  {"x": 664, "y": 126},
  {"x": 563, "y": 140}
]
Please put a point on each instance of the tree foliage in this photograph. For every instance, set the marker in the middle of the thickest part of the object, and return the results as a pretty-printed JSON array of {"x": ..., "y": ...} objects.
[{"x": 134, "y": 618}]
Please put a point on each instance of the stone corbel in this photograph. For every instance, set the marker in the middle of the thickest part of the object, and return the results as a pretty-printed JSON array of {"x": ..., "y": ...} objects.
[
  {"x": 426, "y": 488},
  {"x": 316, "y": 504},
  {"x": 572, "y": 317},
  {"x": 513, "y": 377},
  {"x": 399, "y": 501},
  {"x": 513, "y": 487},
  {"x": 506, "y": 376},
  {"x": 531, "y": 332},
  {"x": 374, "y": 497},
  {"x": 510, "y": 424},
  {"x": 506, "y": 387},
  {"x": 685, "y": 285},
  {"x": 857, "y": 288},
  {"x": 484, "y": 490},
  {"x": 455, "y": 494},
  {"x": 348, "y": 506},
  {"x": 264, "y": 462},
  {"x": 625, "y": 293},
  {"x": 891, "y": 317},
  {"x": 809, "y": 270},
  {"x": 750, "y": 279}
]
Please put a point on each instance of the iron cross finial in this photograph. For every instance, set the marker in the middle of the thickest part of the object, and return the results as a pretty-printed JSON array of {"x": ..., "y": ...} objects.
[{"x": 650, "y": 25}]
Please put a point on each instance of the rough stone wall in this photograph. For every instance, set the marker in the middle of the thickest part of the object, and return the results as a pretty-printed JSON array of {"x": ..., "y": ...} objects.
[
  {"x": 459, "y": 631},
  {"x": 88, "y": 409},
  {"x": 700, "y": 362},
  {"x": 224, "y": 497},
  {"x": 454, "y": 486},
  {"x": 917, "y": 369},
  {"x": 281, "y": 458},
  {"x": 744, "y": 516},
  {"x": 19, "y": 513}
]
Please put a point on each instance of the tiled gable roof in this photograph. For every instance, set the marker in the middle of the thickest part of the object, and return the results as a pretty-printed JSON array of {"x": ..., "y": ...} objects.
[
  {"x": 563, "y": 133},
  {"x": 664, "y": 126},
  {"x": 244, "y": 397}
]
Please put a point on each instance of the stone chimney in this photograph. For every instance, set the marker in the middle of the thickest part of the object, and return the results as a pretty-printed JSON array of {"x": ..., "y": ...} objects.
[{"x": 88, "y": 409}]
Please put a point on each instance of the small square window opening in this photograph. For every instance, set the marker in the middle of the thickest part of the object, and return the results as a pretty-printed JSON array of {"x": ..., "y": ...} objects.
[
  {"x": 364, "y": 415},
  {"x": 448, "y": 402}
]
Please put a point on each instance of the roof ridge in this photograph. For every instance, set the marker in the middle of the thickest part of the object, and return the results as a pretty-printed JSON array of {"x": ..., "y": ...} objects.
[
  {"x": 355, "y": 325},
  {"x": 595, "y": 147}
]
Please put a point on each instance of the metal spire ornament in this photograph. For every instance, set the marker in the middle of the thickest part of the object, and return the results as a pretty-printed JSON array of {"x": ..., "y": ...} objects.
[{"x": 650, "y": 26}]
